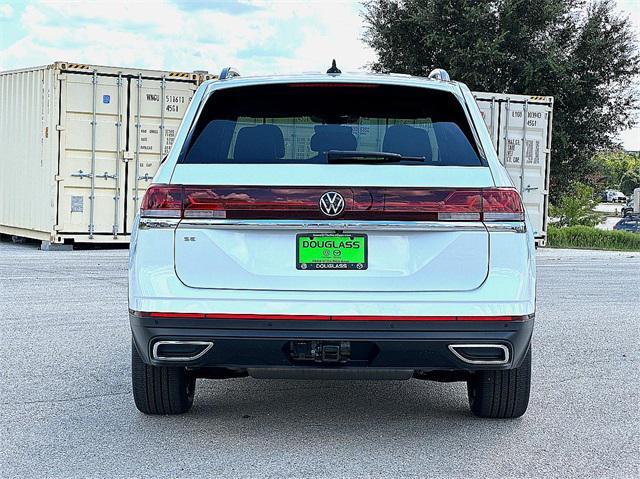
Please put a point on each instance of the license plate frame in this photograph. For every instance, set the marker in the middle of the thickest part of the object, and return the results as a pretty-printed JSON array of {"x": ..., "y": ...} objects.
[{"x": 331, "y": 261}]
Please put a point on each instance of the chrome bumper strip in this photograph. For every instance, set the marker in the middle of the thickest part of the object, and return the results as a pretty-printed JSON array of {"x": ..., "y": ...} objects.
[
  {"x": 334, "y": 225},
  {"x": 506, "y": 226},
  {"x": 148, "y": 223}
]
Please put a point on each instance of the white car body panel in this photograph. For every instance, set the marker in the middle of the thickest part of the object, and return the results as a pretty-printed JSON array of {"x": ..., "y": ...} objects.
[
  {"x": 224, "y": 274},
  {"x": 337, "y": 175},
  {"x": 421, "y": 261},
  {"x": 508, "y": 290}
]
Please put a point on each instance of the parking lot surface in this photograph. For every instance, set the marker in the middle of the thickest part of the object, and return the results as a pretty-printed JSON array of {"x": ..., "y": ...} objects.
[{"x": 66, "y": 408}]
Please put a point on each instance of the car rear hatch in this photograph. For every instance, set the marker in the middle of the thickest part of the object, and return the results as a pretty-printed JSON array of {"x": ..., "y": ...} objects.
[{"x": 251, "y": 184}]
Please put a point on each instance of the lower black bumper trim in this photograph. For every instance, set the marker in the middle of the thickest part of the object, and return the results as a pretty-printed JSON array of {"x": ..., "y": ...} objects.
[{"x": 408, "y": 346}]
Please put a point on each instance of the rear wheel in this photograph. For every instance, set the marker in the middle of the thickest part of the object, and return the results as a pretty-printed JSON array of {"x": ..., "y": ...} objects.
[
  {"x": 501, "y": 394},
  {"x": 160, "y": 389}
]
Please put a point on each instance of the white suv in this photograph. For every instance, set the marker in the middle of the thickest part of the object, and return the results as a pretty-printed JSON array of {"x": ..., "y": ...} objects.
[
  {"x": 332, "y": 226},
  {"x": 613, "y": 196}
]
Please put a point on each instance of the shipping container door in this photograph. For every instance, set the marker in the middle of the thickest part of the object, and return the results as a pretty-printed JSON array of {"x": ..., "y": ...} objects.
[
  {"x": 490, "y": 111},
  {"x": 524, "y": 126},
  {"x": 93, "y": 117},
  {"x": 157, "y": 108}
]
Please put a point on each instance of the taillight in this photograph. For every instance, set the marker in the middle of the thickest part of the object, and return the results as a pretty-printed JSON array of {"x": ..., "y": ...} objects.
[
  {"x": 162, "y": 201},
  {"x": 502, "y": 204},
  {"x": 489, "y": 204},
  {"x": 384, "y": 204},
  {"x": 433, "y": 204},
  {"x": 255, "y": 202}
]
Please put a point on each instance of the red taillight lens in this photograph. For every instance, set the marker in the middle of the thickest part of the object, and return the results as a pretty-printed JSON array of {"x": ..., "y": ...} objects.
[
  {"x": 162, "y": 201},
  {"x": 432, "y": 204},
  {"x": 202, "y": 203},
  {"x": 492, "y": 204},
  {"x": 246, "y": 202},
  {"x": 502, "y": 204},
  {"x": 398, "y": 204}
]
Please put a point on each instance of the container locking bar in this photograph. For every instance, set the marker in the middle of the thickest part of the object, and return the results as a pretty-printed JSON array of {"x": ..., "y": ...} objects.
[
  {"x": 92, "y": 197},
  {"x": 163, "y": 88},
  {"x": 525, "y": 115},
  {"x": 105, "y": 175},
  {"x": 137, "y": 152},
  {"x": 116, "y": 198},
  {"x": 507, "y": 110},
  {"x": 494, "y": 135},
  {"x": 80, "y": 174}
]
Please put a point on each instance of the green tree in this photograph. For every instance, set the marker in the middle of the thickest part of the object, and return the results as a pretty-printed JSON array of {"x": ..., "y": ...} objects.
[
  {"x": 617, "y": 170},
  {"x": 583, "y": 54},
  {"x": 575, "y": 208}
]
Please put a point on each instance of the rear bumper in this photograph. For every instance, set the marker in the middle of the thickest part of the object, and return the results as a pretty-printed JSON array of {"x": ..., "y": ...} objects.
[
  {"x": 251, "y": 344},
  {"x": 509, "y": 289}
]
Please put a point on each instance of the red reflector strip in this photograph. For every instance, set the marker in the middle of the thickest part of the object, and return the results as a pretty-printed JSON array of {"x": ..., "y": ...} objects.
[
  {"x": 485, "y": 318},
  {"x": 173, "y": 315},
  {"x": 270, "y": 317},
  {"x": 394, "y": 318},
  {"x": 312, "y": 317},
  {"x": 421, "y": 318}
]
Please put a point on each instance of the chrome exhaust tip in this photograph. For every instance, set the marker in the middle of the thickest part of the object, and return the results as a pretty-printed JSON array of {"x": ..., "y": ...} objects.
[
  {"x": 481, "y": 354},
  {"x": 180, "y": 350}
]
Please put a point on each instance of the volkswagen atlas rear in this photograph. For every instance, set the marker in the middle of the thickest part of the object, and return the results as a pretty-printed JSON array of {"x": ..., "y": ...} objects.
[{"x": 332, "y": 226}]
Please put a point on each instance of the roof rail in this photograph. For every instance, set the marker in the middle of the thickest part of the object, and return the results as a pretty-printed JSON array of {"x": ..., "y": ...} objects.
[
  {"x": 439, "y": 74},
  {"x": 228, "y": 73}
]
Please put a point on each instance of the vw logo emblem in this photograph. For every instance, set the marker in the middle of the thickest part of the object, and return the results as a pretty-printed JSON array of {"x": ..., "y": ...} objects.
[{"x": 331, "y": 203}]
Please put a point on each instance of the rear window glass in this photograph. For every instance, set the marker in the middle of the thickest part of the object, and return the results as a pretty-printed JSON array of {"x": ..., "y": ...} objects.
[{"x": 307, "y": 123}]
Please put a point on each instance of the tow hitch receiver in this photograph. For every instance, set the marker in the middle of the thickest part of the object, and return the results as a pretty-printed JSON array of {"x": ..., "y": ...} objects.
[{"x": 320, "y": 351}]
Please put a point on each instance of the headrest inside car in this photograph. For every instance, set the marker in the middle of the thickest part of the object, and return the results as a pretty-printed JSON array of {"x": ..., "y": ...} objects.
[
  {"x": 407, "y": 140},
  {"x": 333, "y": 137},
  {"x": 261, "y": 142}
]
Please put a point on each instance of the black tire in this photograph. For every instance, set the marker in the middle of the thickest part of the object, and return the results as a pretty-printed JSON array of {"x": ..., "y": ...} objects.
[
  {"x": 160, "y": 389},
  {"x": 501, "y": 394}
]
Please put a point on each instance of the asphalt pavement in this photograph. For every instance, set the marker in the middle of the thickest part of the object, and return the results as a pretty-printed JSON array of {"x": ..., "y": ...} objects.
[{"x": 66, "y": 408}]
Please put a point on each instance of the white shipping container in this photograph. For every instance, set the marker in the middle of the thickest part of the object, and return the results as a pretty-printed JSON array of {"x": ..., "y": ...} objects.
[
  {"x": 80, "y": 144},
  {"x": 520, "y": 127}
]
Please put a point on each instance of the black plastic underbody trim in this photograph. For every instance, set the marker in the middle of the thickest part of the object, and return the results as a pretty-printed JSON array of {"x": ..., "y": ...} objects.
[{"x": 419, "y": 345}]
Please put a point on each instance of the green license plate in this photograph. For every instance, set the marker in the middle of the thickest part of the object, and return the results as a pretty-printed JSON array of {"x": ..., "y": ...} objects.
[{"x": 331, "y": 251}]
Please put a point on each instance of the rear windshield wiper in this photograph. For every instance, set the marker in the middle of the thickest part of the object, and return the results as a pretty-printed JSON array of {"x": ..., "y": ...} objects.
[{"x": 339, "y": 156}]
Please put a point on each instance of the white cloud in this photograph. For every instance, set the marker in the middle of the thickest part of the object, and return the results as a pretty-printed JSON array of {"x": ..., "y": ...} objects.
[
  {"x": 630, "y": 139},
  {"x": 6, "y": 10},
  {"x": 632, "y": 9},
  {"x": 273, "y": 37}
]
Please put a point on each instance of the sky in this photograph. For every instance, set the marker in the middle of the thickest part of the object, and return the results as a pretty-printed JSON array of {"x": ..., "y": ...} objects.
[{"x": 257, "y": 37}]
